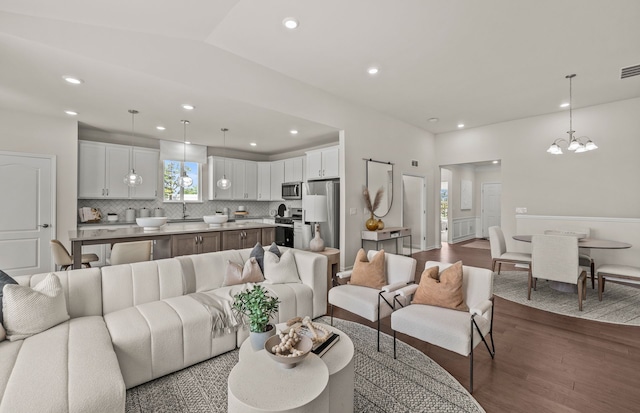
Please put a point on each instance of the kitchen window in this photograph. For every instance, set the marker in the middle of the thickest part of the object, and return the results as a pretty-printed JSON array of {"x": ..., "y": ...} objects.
[{"x": 172, "y": 191}]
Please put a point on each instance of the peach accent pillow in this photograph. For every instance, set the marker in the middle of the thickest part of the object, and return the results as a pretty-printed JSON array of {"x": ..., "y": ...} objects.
[
  {"x": 441, "y": 290},
  {"x": 236, "y": 274},
  {"x": 369, "y": 274}
]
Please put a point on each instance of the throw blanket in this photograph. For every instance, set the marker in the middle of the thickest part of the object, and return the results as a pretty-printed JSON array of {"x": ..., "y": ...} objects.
[{"x": 223, "y": 319}]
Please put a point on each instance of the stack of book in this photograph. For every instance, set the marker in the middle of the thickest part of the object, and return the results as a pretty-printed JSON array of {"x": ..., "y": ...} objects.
[{"x": 322, "y": 347}]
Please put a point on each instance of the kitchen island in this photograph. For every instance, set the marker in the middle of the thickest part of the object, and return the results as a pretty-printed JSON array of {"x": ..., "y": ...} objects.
[{"x": 178, "y": 239}]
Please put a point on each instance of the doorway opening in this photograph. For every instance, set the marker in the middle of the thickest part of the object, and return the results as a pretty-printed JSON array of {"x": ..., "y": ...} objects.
[{"x": 444, "y": 210}]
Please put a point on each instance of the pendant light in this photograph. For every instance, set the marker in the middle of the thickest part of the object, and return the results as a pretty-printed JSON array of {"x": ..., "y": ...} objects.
[
  {"x": 185, "y": 180},
  {"x": 581, "y": 144},
  {"x": 224, "y": 183},
  {"x": 132, "y": 178}
]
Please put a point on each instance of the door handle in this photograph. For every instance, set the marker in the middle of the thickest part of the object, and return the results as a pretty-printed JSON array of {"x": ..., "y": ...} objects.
[{"x": 44, "y": 225}]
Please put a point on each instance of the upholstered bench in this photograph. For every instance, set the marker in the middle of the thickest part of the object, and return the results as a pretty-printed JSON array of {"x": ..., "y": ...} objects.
[{"x": 622, "y": 274}]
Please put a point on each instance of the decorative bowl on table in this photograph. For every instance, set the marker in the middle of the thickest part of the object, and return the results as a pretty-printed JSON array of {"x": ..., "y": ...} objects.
[
  {"x": 288, "y": 361},
  {"x": 215, "y": 220},
  {"x": 151, "y": 223}
]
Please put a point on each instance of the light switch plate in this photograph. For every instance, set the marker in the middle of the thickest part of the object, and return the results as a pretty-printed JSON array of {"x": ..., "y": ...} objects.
[{"x": 521, "y": 210}]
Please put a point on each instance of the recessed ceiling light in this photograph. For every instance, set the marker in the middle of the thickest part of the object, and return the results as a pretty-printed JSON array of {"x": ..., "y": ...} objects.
[
  {"x": 494, "y": 162},
  {"x": 433, "y": 120},
  {"x": 461, "y": 125},
  {"x": 253, "y": 144},
  {"x": 160, "y": 127},
  {"x": 73, "y": 80},
  {"x": 564, "y": 105},
  {"x": 71, "y": 112},
  {"x": 290, "y": 23},
  {"x": 373, "y": 70},
  {"x": 293, "y": 132},
  {"x": 187, "y": 142},
  {"x": 187, "y": 106}
]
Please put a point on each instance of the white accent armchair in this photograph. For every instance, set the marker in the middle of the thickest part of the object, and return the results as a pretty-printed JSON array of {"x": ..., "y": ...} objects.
[
  {"x": 371, "y": 303},
  {"x": 458, "y": 331},
  {"x": 499, "y": 253},
  {"x": 555, "y": 258}
]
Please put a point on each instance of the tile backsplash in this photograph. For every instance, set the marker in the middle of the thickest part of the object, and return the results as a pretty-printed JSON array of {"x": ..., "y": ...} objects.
[{"x": 174, "y": 210}]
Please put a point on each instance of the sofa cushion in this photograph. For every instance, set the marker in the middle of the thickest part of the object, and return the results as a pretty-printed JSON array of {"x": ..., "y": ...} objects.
[
  {"x": 441, "y": 289},
  {"x": 205, "y": 272},
  {"x": 4, "y": 280},
  {"x": 237, "y": 274},
  {"x": 69, "y": 368},
  {"x": 280, "y": 270},
  {"x": 28, "y": 311},
  {"x": 369, "y": 273},
  {"x": 157, "y": 338}
]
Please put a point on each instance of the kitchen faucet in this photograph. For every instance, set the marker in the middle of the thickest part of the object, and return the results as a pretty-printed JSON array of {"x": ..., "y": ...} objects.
[{"x": 184, "y": 210}]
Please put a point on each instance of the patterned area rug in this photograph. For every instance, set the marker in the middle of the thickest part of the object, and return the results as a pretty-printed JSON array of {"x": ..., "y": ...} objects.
[
  {"x": 620, "y": 304},
  {"x": 412, "y": 383},
  {"x": 482, "y": 244}
]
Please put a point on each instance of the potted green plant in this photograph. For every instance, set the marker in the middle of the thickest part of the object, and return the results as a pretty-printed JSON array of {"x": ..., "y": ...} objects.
[{"x": 257, "y": 306}]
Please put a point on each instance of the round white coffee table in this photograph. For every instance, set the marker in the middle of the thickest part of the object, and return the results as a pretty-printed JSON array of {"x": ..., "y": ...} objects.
[
  {"x": 339, "y": 362},
  {"x": 259, "y": 384}
]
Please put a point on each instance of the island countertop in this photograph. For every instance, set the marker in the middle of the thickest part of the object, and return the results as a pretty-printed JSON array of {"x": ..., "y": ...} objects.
[
  {"x": 173, "y": 229},
  {"x": 162, "y": 237}
]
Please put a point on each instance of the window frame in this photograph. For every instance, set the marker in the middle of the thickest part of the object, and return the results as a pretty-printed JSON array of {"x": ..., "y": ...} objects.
[{"x": 197, "y": 179}]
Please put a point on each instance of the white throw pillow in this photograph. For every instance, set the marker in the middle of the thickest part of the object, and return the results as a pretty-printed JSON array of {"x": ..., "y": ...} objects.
[
  {"x": 280, "y": 270},
  {"x": 28, "y": 311}
]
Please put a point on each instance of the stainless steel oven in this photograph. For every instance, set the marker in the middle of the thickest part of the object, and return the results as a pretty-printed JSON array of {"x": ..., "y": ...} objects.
[{"x": 284, "y": 232}]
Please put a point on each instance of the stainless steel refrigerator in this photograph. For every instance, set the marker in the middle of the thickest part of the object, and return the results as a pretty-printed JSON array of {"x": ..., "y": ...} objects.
[{"x": 330, "y": 230}]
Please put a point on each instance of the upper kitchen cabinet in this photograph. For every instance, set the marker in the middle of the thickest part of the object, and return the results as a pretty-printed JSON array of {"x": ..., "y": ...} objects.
[
  {"x": 294, "y": 169},
  {"x": 217, "y": 168},
  {"x": 101, "y": 170},
  {"x": 245, "y": 180},
  {"x": 277, "y": 179},
  {"x": 323, "y": 163},
  {"x": 264, "y": 181},
  {"x": 146, "y": 163},
  {"x": 103, "y": 166}
]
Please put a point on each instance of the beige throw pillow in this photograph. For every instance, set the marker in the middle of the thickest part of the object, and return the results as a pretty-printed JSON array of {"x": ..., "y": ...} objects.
[
  {"x": 369, "y": 274},
  {"x": 237, "y": 274},
  {"x": 280, "y": 270},
  {"x": 441, "y": 290},
  {"x": 28, "y": 311}
]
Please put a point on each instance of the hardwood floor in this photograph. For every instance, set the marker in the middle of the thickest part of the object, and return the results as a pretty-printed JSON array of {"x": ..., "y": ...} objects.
[{"x": 545, "y": 363}]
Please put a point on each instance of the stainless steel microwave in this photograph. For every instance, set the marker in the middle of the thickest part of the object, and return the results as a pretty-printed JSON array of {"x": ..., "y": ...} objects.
[{"x": 292, "y": 190}]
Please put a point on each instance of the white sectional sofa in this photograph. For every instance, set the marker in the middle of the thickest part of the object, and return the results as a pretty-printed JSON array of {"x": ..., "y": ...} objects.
[{"x": 133, "y": 323}]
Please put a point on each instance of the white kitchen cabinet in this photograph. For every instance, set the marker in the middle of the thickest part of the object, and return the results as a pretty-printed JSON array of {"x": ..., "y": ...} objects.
[
  {"x": 323, "y": 163},
  {"x": 277, "y": 179},
  {"x": 217, "y": 168},
  {"x": 101, "y": 170},
  {"x": 244, "y": 185},
  {"x": 146, "y": 162},
  {"x": 103, "y": 166},
  {"x": 264, "y": 181},
  {"x": 294, "y": 169}
]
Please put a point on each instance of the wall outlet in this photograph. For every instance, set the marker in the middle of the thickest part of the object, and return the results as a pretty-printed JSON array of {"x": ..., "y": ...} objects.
[
  {"x": 521, "y": 210},
  {"x": 353, "y": 211}
]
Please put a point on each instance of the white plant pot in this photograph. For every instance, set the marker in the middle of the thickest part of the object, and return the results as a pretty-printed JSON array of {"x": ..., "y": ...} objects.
[{"x": 258, "y": 339}]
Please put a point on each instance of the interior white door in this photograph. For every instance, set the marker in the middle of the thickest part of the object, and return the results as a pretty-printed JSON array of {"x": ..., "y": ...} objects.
[
  {"x": 491, "y": 195},
  {"x": 414, "y": 211},
  {"x": 27, "y": 212}
]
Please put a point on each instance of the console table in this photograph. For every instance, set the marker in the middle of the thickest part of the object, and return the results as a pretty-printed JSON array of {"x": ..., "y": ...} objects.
[{"x": 387, "y": 234}]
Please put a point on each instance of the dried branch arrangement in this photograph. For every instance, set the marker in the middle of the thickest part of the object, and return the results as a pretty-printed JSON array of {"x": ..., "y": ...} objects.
[{"x": 367, "y": 199}]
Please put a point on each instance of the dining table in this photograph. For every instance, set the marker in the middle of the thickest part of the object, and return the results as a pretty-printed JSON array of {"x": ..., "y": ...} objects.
[{"x": 587, "y": 242}]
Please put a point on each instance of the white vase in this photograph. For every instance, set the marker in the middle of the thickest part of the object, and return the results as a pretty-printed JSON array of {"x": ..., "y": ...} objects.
[
  {"x": 258, "y": 339},
  {"x": 317, "y": 243}
]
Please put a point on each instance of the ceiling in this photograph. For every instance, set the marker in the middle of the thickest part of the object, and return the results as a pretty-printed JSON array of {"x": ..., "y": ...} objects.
[{"x": 463, "y": 61}]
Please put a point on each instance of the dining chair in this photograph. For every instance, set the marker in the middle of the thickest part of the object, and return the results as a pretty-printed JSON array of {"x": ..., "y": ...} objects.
[
  {"x": 584, "y": 254},
  {"x": 499, "y": 253},
  {"x": 64, "y": 260},
  {"x": 555, "y": 258},
  {"x": 130, "y": 252}
]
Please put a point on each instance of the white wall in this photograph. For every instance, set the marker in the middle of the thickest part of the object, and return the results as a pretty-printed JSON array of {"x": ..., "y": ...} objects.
[
  {"x": 23, "y": 132},
  {"x": 600, "y": 183}
]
